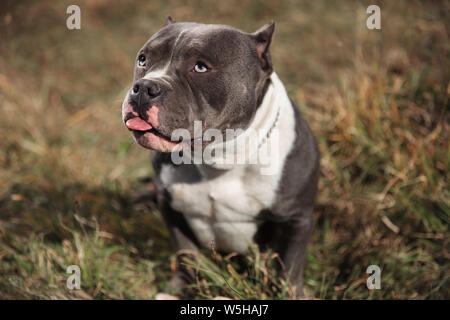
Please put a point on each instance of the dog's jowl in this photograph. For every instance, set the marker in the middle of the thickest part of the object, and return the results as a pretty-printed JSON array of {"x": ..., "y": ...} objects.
[{"x": 207, "y": 94}]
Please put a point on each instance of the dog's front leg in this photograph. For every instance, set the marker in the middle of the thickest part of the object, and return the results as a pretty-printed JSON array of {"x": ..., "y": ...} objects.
[
  {"x": 293, "y": 236},
  {"x": 185, "y": 245}
]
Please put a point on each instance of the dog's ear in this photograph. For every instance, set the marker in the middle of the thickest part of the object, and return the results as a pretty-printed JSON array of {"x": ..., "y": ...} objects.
[
  {"x": 262, "y": 38},
  {"x": 169, "y": 21}
]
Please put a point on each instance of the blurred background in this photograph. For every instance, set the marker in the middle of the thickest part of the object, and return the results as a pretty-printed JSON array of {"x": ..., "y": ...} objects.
[{"x": 377, "y": 101}]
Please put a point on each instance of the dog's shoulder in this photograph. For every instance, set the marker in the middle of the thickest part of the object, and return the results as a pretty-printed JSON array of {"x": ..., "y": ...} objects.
[{"x": 298, "y": 184}]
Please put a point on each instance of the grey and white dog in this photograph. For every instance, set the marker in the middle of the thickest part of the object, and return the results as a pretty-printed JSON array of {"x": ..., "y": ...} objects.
[{"x": 223, "y": 77}]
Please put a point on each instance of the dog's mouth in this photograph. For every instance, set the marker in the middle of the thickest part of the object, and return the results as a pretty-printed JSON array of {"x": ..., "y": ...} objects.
[
  {"x": 149, "y": 137},
  {"x": 138, "y": 124}
]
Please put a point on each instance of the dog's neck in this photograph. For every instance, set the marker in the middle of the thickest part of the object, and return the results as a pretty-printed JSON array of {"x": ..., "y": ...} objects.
[{"x": 243, "y": 148}]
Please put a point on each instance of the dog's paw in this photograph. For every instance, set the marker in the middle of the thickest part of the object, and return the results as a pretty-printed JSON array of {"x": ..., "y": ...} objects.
[{"x": 165, "y": 296}]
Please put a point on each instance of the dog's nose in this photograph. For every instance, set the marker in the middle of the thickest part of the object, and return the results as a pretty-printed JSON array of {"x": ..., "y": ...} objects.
[{"x": 145, "y": 90}]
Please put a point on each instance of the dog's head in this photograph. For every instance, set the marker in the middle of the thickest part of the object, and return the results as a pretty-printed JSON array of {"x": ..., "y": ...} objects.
[{"x": 187, "y": 71}]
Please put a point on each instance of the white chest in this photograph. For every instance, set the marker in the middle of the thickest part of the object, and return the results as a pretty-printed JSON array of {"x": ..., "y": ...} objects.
[{"x": 221, "y": 209}]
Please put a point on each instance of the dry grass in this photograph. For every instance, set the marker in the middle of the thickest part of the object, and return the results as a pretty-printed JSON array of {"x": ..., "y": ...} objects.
[{"x": 377, "y": 101}]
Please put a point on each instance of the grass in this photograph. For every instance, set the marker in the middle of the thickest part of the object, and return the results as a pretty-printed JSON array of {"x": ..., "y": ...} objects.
[{"x": 377, "y": 101}]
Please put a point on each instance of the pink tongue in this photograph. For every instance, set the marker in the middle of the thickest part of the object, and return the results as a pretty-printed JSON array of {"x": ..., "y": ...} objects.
[{"x": 138, "y": 124}]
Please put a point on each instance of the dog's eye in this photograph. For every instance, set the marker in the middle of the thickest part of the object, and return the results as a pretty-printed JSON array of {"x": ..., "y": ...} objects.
[
  {"x": 141, "y": 60},
  {"x": 200, "y": 67}
]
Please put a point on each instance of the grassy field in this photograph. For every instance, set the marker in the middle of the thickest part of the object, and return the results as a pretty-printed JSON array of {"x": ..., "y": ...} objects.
[{"x": 377, "y": 101}]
